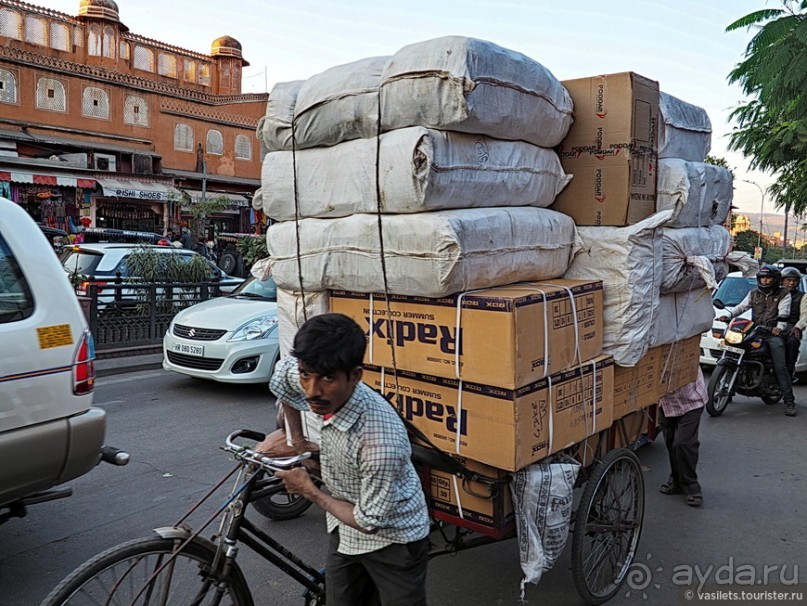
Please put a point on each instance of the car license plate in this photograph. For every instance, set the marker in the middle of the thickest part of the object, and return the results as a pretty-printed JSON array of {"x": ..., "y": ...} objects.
[
  {"x": 191, "y": 350},
  {"x": 734, "y": 350}
]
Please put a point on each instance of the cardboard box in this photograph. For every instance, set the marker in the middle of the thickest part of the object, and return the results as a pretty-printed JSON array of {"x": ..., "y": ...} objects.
[
  {"x": 504, "y": 428},
  {"x": 611, "y": 150},
  {"x": 484, "y": 507},
  {"x": 509, "y": 336},
  {"x": 637, "y": 387},
  {"x": 678, "y": 364}
]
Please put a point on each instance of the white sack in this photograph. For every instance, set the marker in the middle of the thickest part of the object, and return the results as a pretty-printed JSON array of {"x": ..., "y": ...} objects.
[
  {"x": 699, "y": 194},
  {"x": 682, "y": 315},
  {"x": 739, "y": 260},
  {"x": 426, "y": 254},
  {"x": 686, "y": 131},
  {"x": 274, "y": 129},
  {"x": 420, "y": 170},
  {"x": 694, "y": 257},
  {"x": 336, "y": 105},
  {"x": 474, "y": 86},
  {"x": 628, "y": 260},
  {"x": 542, "y": 500}
]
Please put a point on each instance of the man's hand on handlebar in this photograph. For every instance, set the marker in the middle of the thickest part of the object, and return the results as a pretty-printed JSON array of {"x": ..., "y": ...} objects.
[
  {"x": 725, "y": 319},
  {"x": 298, "y": 481},
  {"x": 776, "y": 330}
]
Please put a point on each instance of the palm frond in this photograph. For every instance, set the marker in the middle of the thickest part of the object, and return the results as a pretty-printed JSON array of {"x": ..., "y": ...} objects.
[{"x": 754, "y": 18}]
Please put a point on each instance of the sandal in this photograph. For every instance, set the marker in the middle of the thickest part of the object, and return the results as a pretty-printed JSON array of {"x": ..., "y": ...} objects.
[
  {"x": 694, "y": 500},
  {"x": 670, "y": 488}
]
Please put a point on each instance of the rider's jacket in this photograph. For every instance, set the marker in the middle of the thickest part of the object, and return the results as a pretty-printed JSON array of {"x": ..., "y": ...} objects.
[
  {"x": 765, "y": 307},
  {"x": 795, "y": 307}
]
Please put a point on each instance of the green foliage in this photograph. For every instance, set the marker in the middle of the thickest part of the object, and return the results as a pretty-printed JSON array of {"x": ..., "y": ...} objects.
[
  {"x": 746, "y": 240},
  {"x": 152, "y": 266},
  {"x": 772, "y": 127},
  {"x": 200, "y": 210},
  {"x": 252, "y": 248}
]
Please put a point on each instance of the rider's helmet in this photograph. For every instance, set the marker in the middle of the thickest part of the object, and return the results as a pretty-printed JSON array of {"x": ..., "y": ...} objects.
[
  {"x": 767, "y": 270},
  {"x": 791, "y": 272}
]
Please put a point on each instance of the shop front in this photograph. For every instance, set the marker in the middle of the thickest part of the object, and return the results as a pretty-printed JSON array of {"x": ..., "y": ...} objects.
[
  {"x": 229, "y": 212},
  {"x": 132, "y": 205}
]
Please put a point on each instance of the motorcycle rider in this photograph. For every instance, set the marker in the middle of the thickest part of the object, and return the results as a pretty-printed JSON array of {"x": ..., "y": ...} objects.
[
  {"x": 791, "y": 280},
  {"x": 770, "y": 307}
]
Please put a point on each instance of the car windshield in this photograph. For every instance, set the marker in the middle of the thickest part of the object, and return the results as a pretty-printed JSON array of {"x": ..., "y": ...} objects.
[
  {"x": 257, "y": 289},
  {"x": 80, "y": 262},
  {"x": 733, "y": 289}
]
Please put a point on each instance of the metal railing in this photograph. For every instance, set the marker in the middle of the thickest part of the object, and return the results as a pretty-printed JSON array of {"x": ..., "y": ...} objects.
[{"x": 131, "y": 316}]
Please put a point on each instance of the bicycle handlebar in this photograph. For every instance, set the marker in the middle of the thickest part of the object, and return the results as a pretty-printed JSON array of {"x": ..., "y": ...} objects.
[{"x": 245, "y": 453}]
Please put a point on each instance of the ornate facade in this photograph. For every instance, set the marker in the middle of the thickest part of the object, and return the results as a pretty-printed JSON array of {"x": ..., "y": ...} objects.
[{"x": 105, "y": 127}]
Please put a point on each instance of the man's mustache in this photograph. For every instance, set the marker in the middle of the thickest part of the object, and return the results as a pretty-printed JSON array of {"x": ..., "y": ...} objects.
[{"x": 316, "y": 401}]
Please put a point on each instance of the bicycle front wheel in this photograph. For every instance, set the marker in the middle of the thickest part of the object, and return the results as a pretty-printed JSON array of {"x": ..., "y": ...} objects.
[{"x": 145, "y": 571}]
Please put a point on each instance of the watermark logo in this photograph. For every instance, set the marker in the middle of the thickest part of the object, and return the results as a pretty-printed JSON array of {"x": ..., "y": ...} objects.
[{"x": 701, "y": 580}]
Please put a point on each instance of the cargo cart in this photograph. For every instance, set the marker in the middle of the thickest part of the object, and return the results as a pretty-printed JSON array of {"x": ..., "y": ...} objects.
[{"x": 176, "y": 565}]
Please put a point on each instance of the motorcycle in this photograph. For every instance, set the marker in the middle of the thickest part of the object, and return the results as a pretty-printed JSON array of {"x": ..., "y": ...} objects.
[{"x": 745, "y": 367}]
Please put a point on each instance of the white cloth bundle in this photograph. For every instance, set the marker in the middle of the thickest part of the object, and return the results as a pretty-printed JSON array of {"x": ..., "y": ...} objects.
[
  {"x": 274, "y": 129},
  {"x": 420, "y": 170},
  {"x": 699, "y": 194},
  {"x": 474, "y": 86},
  {"x": 628, "y": 260},
  {"x": 336, "y": 105},
  {"x": 293, "y": 309},
  {"x": 682, "y": 315},
  {"x": 686, "y": 131},
  {"x": 694, "y": 257},
  {"x": 426, "y": 254}
]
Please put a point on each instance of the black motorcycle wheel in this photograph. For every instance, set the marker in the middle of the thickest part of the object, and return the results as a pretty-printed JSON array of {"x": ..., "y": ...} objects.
[{"x": 718, "y": 391}]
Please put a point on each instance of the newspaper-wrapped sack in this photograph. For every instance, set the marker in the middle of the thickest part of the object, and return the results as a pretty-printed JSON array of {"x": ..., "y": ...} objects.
[
  {"x": 274, "y": 129},
  {"x": 628, "y": 260},
  {"x": 425, "y": 254},
  {"x": 682, "y": 315},
  {"x": 419, "y": 170},
  {"x": 686, "y": 131},
  {"x": 336, "y": 105},
  {"x": 474, "y": 86},
  {"x": 694, "y": 257},
  {"x": 699, "y": 194}
]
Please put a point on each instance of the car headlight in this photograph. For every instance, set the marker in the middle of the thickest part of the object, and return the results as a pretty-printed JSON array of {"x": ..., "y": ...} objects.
[
  {"x": 259, "y": 328},
  {"x": 734, "y": 337}
]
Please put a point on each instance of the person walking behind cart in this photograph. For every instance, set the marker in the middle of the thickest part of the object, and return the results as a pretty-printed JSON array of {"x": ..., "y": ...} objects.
[
  {"x": 791, "y": 280},
  {"x": 770, "y": 307},
  {"x": 680, "y": 421},
  {"x": 376, "y": 510}
]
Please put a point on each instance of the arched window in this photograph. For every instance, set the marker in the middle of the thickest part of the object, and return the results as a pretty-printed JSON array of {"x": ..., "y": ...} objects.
[
  {"x": 50, "y": 95},
  {"x": 243, "y": 147},
  {"x": 59, "y": 36},
  {"x": 224, "y": 75},
  {"x": 35, "y": 30},
  {"x": 95, "y": 103},
  {"x": 10, "y": 23},
  {"x": 78, "y": 36},
  {"x": 109, "y": 42},
  {"x": 144, "y": 58},
  {"x": 136, "y": 111},
  {"x": 167, "y": 65},
  {"x": 204, "y": 74},
  {"x": 94, "y": 40},
  {"x": 124, "y": 50},
  {"x": 8, "y": 87},
  {"x": 215, "y": 142},
  {"x": 190, "y": 70},
  {"x": 183, "y": 137}
]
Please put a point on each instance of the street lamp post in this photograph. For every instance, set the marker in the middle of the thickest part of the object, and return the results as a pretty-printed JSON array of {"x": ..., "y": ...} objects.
[{"x": 761, "y": 208}]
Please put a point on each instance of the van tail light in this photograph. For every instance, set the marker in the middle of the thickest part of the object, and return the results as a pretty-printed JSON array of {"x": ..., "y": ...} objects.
[{"x": 84, "y": 365}]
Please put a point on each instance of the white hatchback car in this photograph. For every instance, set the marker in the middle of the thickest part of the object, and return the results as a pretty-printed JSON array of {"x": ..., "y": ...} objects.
[
  {"x": 731, "y": 292},
  {"x": 230, "y": 339}
]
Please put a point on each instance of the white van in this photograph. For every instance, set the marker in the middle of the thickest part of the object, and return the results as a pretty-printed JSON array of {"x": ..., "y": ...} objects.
[{"x": 49, "y": 431}]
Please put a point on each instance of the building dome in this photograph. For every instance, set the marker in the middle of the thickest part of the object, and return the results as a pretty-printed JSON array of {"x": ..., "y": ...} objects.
[
  {"x": 226, "y": 46},
  {"x": 99, "y": 9}
]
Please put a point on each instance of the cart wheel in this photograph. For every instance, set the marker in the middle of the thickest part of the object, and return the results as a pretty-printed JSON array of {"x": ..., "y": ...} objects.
[{"x": 607, "y": 526}]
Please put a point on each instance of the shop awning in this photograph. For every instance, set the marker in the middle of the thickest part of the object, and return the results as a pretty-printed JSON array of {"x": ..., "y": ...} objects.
[
  {"x": 139, "y": 190},
  {"x": 39, "y": 178},
  {"x": 234, "y": 199}
]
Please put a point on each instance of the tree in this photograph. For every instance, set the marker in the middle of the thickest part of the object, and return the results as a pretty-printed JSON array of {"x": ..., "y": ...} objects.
[
  {"x": 772, "y": 127},
  {"x": 719, "y": 161}
]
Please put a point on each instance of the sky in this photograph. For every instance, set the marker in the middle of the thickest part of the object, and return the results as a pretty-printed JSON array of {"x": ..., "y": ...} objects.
[{"x": 680, "y": 43}]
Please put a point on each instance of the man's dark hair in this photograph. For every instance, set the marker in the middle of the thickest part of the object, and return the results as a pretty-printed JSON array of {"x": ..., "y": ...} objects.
[{"x": 329, "y": 343}]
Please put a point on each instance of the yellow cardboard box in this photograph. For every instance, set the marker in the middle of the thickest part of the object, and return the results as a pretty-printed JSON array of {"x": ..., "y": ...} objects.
[
  {"x": 509, "y": 336},
  {"x": 501, "y": 427},
  {"x": 637, "y": 387},
  {"x": 678, "y": 364},
  {"x": 611, "y": 150},
  {"x": 485, "y": 507}
]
